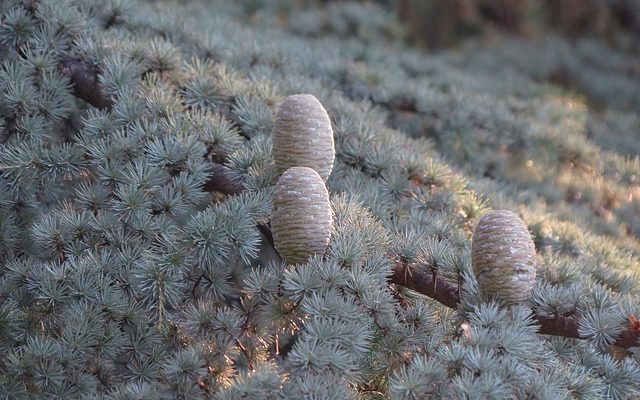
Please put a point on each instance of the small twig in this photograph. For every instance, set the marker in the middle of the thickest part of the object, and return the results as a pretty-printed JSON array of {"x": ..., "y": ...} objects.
[
  {"x": 244, "y": 350},
  {"x": 160, "y": 308},
  {"x": 195, "y": 285},
  {"x": 434, "y": 275}
]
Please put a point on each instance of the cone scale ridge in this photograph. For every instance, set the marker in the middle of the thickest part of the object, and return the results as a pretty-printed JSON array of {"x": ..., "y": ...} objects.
[
  {"x": 504, "y": 257},
  {"x": 303, "y": 136},
  {"x": 302, "y": 219}
]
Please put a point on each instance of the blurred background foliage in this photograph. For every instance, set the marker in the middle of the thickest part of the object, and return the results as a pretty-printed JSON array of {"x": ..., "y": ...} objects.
[
  {"x": 539, "y": 97},
  {"x": 438, "y": 24}
]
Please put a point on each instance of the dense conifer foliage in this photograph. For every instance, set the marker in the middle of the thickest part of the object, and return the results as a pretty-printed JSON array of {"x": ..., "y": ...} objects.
[{"x": 136, "y": 185}]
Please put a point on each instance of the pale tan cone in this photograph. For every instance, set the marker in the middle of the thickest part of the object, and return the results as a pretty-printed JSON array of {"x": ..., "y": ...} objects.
[
  {"x": 303, "y": 136},
  {"x": 504, "y": 257},
  {"x": 302, "y": 217}
]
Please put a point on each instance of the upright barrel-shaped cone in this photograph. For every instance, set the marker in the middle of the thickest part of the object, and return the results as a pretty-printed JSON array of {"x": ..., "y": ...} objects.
[
  {"x": 504, "y": 257},
  {"x": 303, "y": 136},
  {"x": 302, "y": 218}
]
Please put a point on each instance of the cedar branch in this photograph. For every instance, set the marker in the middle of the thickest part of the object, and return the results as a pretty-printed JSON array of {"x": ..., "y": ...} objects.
[
  {"x": 449, "y": 295},
  {"x": 87, "y": 87}
]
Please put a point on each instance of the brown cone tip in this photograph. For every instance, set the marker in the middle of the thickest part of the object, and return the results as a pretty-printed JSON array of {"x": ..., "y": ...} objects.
[
  {"x": 302, "y": 218},
  {"x": 504, "y": 257},
  {"x": 303, "y": 136}
]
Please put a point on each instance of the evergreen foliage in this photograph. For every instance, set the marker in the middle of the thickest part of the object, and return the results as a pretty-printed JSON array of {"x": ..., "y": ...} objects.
[{"x": 136, "y": 182}]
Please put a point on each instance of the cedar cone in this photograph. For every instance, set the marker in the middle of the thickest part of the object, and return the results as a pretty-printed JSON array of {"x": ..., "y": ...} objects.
[
  {"x": 302, "y": 218},
  {"x": 303, "y": 136},
  {"x": 504, "y": 257}
]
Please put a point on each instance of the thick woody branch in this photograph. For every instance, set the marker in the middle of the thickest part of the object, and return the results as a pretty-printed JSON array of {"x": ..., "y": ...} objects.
[
  {"x": 86, "y": 86},
  {"x": 423, "y": 282},
  {"x": 221, "y": 181},
  {"x": 447, "y": 294}
]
